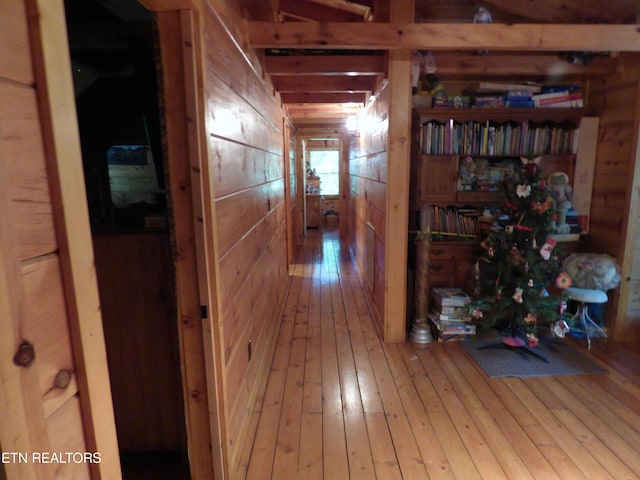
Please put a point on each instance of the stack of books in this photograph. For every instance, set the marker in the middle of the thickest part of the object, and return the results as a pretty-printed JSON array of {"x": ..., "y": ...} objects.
[
  {"x": 567, "y": 96},
  {"x": 524, "y": 95},
  {"x": 498, "y": 94},
  {"x": 449, "y": 317}
]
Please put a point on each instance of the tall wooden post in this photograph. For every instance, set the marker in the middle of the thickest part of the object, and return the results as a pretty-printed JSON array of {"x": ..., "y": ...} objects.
[{"x": 397, "y": 201}]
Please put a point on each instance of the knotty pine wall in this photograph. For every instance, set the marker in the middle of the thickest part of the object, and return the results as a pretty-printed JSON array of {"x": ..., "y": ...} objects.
[
  {"x": 244, "y": 127},
  {"x": 614, "y": 204},
  {"x": 37, "y": 303},
  {"x": 367, "y": 194}
]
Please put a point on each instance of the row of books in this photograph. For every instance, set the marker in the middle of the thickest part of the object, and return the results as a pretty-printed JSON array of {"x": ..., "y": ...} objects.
[
  {"x": 450, "y": 318},
  {"x": 524, "y": 95},
  {"x": 491, "y": 138},
  {"x": 453, "y": 222}
]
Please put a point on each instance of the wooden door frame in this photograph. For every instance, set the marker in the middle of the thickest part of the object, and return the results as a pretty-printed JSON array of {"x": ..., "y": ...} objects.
[
  {"x": 181, "y": 55},
  {"x": 58, "y": 117}
]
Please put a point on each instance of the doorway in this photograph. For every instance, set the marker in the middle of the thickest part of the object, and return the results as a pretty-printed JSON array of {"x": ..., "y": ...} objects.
[
  {"x": 323, "y": 189},
  {"x": 113, "y": 51}
]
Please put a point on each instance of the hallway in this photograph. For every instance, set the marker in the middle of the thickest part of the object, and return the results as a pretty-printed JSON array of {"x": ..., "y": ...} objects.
[{"x": 339, "y": 404}]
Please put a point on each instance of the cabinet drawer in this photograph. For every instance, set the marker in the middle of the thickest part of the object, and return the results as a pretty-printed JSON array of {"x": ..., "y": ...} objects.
[
  {"x": 441, "y": 281},
  {"x": 442, "y": 268},
  {"x": 449, "y": 252}
]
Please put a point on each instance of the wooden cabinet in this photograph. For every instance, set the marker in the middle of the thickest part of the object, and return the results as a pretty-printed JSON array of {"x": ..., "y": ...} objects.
[
  {"x": 443, "y": 264},
  {"x": 314, "y": 210},
  {"x": 313, "y": 202},
  {"x": 437, "y": 179},
  {"x": 443, "y": 140}
]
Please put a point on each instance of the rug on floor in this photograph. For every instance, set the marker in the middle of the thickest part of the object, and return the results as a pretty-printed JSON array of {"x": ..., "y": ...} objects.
[{"x": 503, "y": 361}]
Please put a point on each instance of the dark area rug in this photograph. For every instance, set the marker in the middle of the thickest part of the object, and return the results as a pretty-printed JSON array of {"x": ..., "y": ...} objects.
[{"x": 503, "y": 361}]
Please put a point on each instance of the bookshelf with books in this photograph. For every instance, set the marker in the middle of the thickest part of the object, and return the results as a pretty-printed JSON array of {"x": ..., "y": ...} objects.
[
  {"x": 460, "y": 159},
  {"x": 488, "y": 138}
]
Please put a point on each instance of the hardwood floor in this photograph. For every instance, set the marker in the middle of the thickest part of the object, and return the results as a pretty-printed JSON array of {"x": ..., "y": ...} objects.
[{"x": 339, "y": 404}]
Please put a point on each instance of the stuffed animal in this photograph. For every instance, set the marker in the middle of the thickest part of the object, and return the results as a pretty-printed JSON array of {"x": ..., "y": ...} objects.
[
  {"x": 597, "y": 271},
  {"x": 560, "y": 190}
]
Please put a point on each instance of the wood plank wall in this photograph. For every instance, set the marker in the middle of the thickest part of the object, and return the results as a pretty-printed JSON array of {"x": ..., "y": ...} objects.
[
  {"x": 367, "y": 194},
  {"x": 292, "y": 216},
  {"x": 245, "y": 138},
  {"x": 139, "y": 315},
  {"x": 32, "y": 265},
  {"x": 614, "y": 205}
]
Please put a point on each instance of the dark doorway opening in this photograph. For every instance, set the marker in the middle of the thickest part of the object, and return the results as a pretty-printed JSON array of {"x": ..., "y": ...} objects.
[{"x": 113, "y": 53}]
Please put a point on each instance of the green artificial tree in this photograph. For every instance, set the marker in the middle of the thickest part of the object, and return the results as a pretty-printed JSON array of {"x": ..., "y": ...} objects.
[{"x": 519, "y": 263}]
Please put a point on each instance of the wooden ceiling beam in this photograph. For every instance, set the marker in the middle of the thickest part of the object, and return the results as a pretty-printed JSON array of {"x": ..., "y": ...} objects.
[
  {"x": 315, "y": 114},
  {"x": 324, "y": 64},
  {"x": 318, "y": 83},
  {"x": 446, "y": 36},
  {"x": 323, "y": 97}
]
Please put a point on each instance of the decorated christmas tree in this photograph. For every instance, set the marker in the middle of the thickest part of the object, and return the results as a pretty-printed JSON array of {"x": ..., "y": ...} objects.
[{"x": 519, "y": 265}]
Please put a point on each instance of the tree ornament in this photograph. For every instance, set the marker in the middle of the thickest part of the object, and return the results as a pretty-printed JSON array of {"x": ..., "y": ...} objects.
[
  {"x": 562, "y": 307},
  {"x": 530, "y": 319},
  {"x": 545, "y": 250},
  {"x": 530, "y": 283},
  {"x": 523, "y": 191},
  {"x": 516, "y": 256},
  {"x": 563, "y": 280},
  {"x": 560, "y": 328},
  {"x": 517, "y": 296},
  {"x": 541, "y": 207},
  {"x": 532, "y": 339},
  {"x": 530, "y": 166}
]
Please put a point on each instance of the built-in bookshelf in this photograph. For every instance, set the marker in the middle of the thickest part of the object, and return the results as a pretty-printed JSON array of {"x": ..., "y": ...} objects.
[
  {"x": 451, "y": 223},
  {"x": 511, "y": 138}
]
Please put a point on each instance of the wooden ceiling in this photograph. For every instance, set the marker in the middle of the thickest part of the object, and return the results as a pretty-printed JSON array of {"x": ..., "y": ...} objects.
[{"x": 333, "y": 82}]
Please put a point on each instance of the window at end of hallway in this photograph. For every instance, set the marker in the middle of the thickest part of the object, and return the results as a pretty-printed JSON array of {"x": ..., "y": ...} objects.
[{"x": 326, "y": 164}]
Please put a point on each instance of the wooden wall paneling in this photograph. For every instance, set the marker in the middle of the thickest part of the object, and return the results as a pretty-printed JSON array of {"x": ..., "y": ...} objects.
[
  {"x": 240, "y": 263},
  {"x": 614, "y": 199},
  {"x": 583, "y": 170},
  {"x": 179, "y": 47},
  {"x": 301, "y": 220},
  {"x": 46, "y": 325},
  {"x": 25, "y": 157},
  {"x": 238, "y": 166},
  {"x": 14, "y": 38},
  {"x": 67, "y": 435},
  {"x": 344, "y": 184},
  {"x": 229, "y": 66},
  {"x": 266, "y": 293},
  {"x": 289, "y": 186},
  {"x": 238, "y": 311},
  {"x": 370, "y": 166},
  {"x": 139, "y": 312},
  {"x": 238, "y": 213},
  {"x": 56, "y": 102},
  {"x": 627, "y": 325},
  {"x": 22, "y": 417},
  {"x": 233, "y": 118}
]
